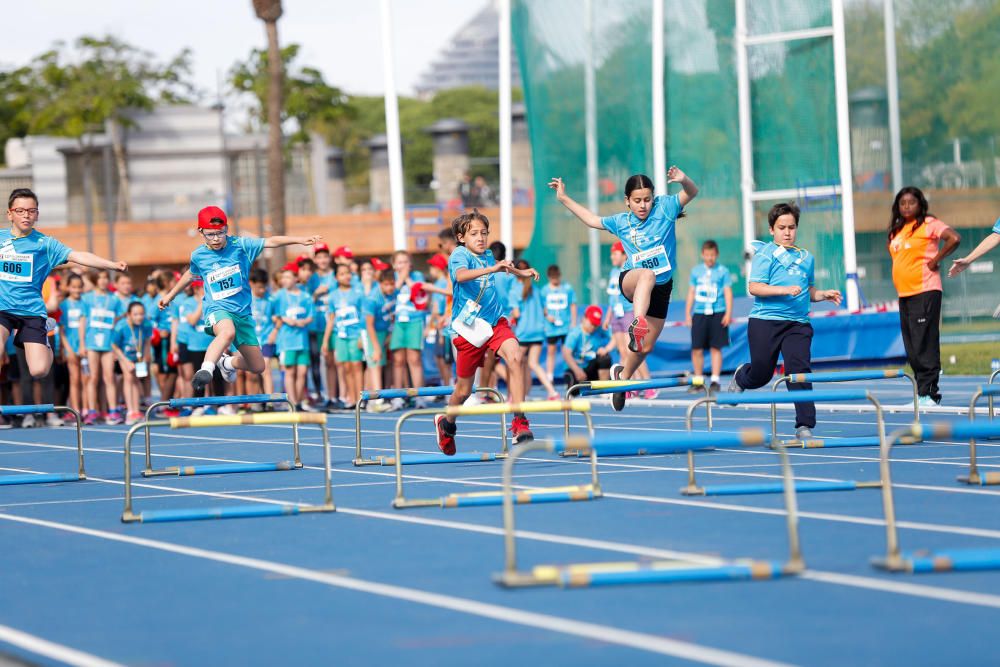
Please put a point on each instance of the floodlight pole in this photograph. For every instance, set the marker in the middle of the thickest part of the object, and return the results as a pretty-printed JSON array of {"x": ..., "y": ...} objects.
[
  {"x": 590, "y": 93},
  {"x": 853, "y": 293},
  {"x": 659, "y": 109},
  {"x": 892, "y": 91},
  {"x": 396, "y": 201},
  {"x": 506, "y": 168}
]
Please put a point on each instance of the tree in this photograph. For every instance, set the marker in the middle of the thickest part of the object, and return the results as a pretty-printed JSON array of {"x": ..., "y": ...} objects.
[{"x": 269, "y": 11}]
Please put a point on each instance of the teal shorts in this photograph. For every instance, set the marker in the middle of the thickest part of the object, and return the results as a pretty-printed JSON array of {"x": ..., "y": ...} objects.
[
  {"x": 246, "y": 333},
  {"x": 347, "y": 349},
  {"x": 382, "y": 335},
  {"x": 295, "y": 358},
  {"x": 407, "y": 336}
]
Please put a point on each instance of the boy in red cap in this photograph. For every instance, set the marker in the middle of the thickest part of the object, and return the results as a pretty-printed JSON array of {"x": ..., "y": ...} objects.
[
  {"x": 224, "y": 264},
  {"x": 587, "y": 350}
]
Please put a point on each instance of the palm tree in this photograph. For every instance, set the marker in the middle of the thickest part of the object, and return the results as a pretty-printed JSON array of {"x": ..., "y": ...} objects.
[{"x": 269, "y": 11}]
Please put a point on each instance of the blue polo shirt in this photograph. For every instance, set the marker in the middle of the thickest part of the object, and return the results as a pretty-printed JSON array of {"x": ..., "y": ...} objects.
[
  {"x": 225, "y": 274},
  {"x": 347, "y": 306},
  {"x": 557, "y": 301},
  {"x": 650, "y": 243},
  {"x": 297, "y": 306},
  {"x": 321, "y": 303},
  {"x": 996, "y": 226},
  {"x": 71, "y": 311},
  {"x": 709, "y": 289},
  {"x": 262, "y": 309},
  {"x": 779, "y": 266},
  {"x": 103, "y": 311},
  {"x": 131, "y": 340},
  {"x": 490, "y": 307},
  {"x": 25, "y": 263},
  {"x": 584, "y": 346},
  {"x": 530, "y": 318},
  {"x": 381, "y": 307}
]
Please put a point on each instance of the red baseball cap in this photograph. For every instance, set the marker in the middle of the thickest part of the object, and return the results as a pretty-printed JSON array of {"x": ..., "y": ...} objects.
[
  {"x": 212, "y": 217},
  {"x": 594, "y": 314},
  {"x": 439, "y": 260},
  {"x": 379, "y": 265},
  {"x": 343, "y": 251},
  {"x": 617, "y": 245},
  {"x": 291, "y": 266},
  {"x": 321, "y": 247},
  {"x": 419, "y": 296}
]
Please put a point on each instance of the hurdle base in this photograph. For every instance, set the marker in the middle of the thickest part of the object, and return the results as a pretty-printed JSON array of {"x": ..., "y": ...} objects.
[
  {"x": 562, "y": 494},
  {"x": 585, "y": 575},
  {"x": 975, "y": 479},
  {"x": 235, "y": 512},
  {"x": 221, "y": 469},
  {"x": 431, "y": 459},
  {"x": 47, "y": 478},
  {"x": 410, "y": 503},
  {"x": 692, "y": 490},
  {"x": 358, "y": 462},
  {"x": 522, "y": 579}
]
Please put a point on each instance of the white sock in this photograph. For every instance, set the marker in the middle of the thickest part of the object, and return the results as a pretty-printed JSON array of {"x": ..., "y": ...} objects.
[
  {"x": 715, "y": 378},
  {"x": 208, "y": 366},
  {"x": 227, "y": 363}
]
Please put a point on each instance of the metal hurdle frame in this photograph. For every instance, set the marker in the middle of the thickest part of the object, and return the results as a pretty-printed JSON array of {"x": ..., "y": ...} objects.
[
  {"x": 46, "y": 478},
  {"x": 762, "y": 398},
  {"x": 239, "y": 511},
  {"x": 601, "y": 574},
  {"x": 423, "y": 392},
  {"x": 974, "y": 478},
  {"x": 217, "y": 469},
  {"x": 494, "y": 497},
  {"x": 993, "y": 376},
  {"x": 840, "y": 376},
  {"x": 952, "y": 560},
  {"x": 603, "y": 387}
]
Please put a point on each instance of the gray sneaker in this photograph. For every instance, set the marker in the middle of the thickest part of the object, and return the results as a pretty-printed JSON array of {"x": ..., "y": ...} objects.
[
  {"x": 803, "y": 433},
  {"x": 617, "y": 400},
  {"x": 733, "y": 387}
]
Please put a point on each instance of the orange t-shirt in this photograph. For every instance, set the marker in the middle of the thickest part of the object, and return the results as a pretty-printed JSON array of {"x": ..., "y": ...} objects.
[{"x": 911, "y": 251}]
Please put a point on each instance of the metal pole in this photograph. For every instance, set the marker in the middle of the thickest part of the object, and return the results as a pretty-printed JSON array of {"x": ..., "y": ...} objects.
[
  {"x": 844, "y": 154},
  {"x": 892, "y": 90},
  {"x": 396, "y": 200},
  {"x": 506, "y": 168},
  {"x": 746, "y": 132},
  {"x": 110, "y": 211},
  {"x": 659, "y": 109},
  {"x": 591, "y": 137}
]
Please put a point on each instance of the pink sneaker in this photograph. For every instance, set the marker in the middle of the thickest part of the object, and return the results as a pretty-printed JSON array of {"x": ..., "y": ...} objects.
[{"x": 650, "y": 394}]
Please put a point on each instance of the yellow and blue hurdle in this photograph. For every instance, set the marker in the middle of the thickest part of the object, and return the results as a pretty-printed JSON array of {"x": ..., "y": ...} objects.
[
  {"x": 578, "y": 575},
  {"x": 221, "y": 468},
  {"x": 225, "y": 512},
  {"x": 774, "y": 398},
  {"x": 480, "y": 499},
  {"x": 421, "y": 459},
  {"x": 53, "y": 477},
  {"x": 974, "y": 477},
  {"x": 948, "y": 560}
]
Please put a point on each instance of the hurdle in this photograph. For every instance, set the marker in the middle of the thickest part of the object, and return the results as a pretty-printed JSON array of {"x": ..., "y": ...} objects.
[
  {"x": 842, "y": 376},
  {"x": 480, "y": 499},
  {"x": 423, "y": 392},
  {"x": 577, "y": 575},
  {"x": 950, "y": 560},
  {"x": 222, "y": 468},
  {"x": 603, "y": 387},
  {"x": 993, "y": 376},
  {"x": 47, "y": 478},
  {"x": 772, "y": 398},
  {"x": 239, "y": 511},
  {"x": 974, "y": 478}
]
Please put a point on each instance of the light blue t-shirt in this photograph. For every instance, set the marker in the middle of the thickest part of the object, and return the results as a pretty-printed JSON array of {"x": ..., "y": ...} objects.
[
  {"x": 530, "y": 319},
  {"x": 225, "y": 274},
  {"x": 709, "y": 289},
  {"x": 490, "y": 308},
  {"x": 262, "y": 309},
  {"x": 996, "y": 226},
  {"x": 405, "y": 310},
  {"x": 779, "y": 266},
  {"x": 131, "y": 340},
  {"x": 557, "y": 301},
  {"x": 321, "y": 303},
  {"x": 505, "y": 281},
  {"x": 297, "y": 306},
  {"x": 584, "y": 346},
  {"x": 157, "y": 318},
  {"x": 194, "y": 334},
  {"x": 348, "y": 307},
  {"x": 380, "y": 307},
  {"x": 72, "y": 310},
  {"x": 439, "y": 302},
  {"x": 617, "y": 305},
  {"x": 103, "y": 311},
  {"x": 650, "y": 243},
  {"x": 25, "y": 263}
]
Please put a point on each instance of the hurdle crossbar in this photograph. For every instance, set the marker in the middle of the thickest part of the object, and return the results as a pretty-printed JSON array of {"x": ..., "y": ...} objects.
[
  {"x": 954, "y": 560},
  {"x": 422, "y": 392},
  {"x": 843, "y": 376},
  {"x": 205, "y": 401},
  {"x": 637, "y": 572},
  {"x": 457, "y": 499},
  {"x": 974, "y": 477},
  {"x": 226, "y": 512},
  {"x": 603, "y": 387},
  {"x": 773, "y": 398},
  {"x": 47, "y": 478}
]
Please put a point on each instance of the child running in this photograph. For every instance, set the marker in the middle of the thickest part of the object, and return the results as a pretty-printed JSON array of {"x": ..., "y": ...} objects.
[
  {"x": 224, "y": 264},
  {"x": 781, "y": 280},
  {"x": 648, "y": 235},
  {"x": 477, "y": 307},
  {"x": 619, "y": 315}
]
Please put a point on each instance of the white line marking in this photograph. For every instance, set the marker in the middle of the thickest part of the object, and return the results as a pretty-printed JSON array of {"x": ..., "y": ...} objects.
[{"x": 43, "y": 647}]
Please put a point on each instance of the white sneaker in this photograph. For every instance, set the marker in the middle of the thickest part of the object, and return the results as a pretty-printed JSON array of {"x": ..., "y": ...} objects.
[
  {"x": 421, "y": 403},
  {"x": 927, "y": 402},
  {"x": 475, "y": 398},
  {"x": 28, "y": 421},
  {"x": 52, "y": 420},
  {"x": 803, "y": 433},
  {"x": 227, "y": 410},
  {"x": 379, "y": 405},
  {"x": 198, "y": 412},
  {"x": 227, "y": 375}
]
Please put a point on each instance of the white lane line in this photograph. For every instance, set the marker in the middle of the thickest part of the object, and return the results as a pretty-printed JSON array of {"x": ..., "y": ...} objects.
[
  {"x": 512, "y": 615},
  {"x": 44, "y": 647}
]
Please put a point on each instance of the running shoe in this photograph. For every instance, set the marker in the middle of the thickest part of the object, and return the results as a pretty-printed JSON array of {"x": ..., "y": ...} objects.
[
  {"x": 52, "y": 420},
  {"x": 714, "y": 388},
  {"x": 132, "y": 418},
  {"x": 927, "y": 402},
  {"x": 227, "y": 410},
  {"x": 650, "y": 394},
  {"x": 90, "y": 418},
  {"x": 378, "y": 406},
  {"x": 28, "y": 421},
  {"x": 694, "y": 389},
  {"x": 554, "y": 397},
  {"x": 446, "y": 441},
  {"x": 5, "y": 424},
  {"x": 734, "y": 387},
  {"x": 475, "y": 398},
  {"x": 202, "y": 379},
  {"x": 637, "y": 332},
  {"x": 227, "y": 375},
  {"x": 113, "y": 419},
  {"x": 520, "y": 430},
  {"x": 803, "y": 433},
  {"x": 617, "y": 400}
]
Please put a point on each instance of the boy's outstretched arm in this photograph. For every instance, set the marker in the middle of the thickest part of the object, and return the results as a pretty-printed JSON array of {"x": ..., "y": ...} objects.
[{"x": 282, "y": 241}]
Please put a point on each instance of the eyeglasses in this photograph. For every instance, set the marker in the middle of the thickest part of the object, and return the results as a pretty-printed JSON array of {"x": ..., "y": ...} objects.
[
  {"x": 23, "y": 211},
  {"x": 212, "y": 236}
]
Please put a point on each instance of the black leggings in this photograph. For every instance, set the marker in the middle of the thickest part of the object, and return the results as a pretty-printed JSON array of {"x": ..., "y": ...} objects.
[{"x": 793, "y": 341}]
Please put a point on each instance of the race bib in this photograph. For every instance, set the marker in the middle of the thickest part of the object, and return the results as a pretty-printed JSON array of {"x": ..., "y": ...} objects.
[
  {"x": 654, "y": 259},
  {"x": 16, "y": 267},
  {"x": 706, "y": 293},
  {"x": 346, "y": 316},
  {"x": 556, "y": 301},
  {"x": 102, "y": 318},
  {"x": 613, "y": 289},
  {"x": 73, "y": 318},
  {"x": 619, "y": 310},
  {"x": 295, "y": 312},
  {"x": 225, "y": 282},
  {"x": 469, "y": 313}
]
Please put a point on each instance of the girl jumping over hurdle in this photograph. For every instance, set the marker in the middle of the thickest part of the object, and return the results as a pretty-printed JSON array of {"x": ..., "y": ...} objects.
[{"x": 647, "y": 232}]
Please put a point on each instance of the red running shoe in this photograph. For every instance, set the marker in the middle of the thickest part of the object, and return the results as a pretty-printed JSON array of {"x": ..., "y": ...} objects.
[
  {"x": 520, "y": 430},
  {"x": 637, "y": 332},
  {"x": 446, "y": 441}
]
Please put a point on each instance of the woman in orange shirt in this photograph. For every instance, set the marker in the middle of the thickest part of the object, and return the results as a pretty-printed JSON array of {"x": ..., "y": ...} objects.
[{"x": 917, "y": 243}]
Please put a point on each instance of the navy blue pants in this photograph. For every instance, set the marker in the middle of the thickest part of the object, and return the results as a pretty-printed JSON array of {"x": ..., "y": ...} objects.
[{"x": 793, "y": 341}]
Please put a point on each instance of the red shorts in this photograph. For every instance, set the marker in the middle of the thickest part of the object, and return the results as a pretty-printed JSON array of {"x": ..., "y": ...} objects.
[{"x": 469, "y": 358}]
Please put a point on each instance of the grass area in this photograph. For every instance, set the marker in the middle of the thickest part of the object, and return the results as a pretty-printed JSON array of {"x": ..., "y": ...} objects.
[
  {"x": 970, "y": 358},
  {"x": 975, "y": 326}
]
